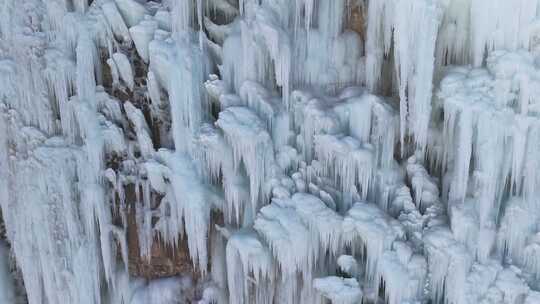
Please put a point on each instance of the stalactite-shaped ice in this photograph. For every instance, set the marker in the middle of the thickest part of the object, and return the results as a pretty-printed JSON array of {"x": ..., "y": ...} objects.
[
  {"x": 322, "y": 221},
  {"x": 532, "y": 257},
  {"x": 190, "y": 201},
  {"x": 488, "y": 112},
  {"x": 251, "y": 260},
  {"x": 350, "y": 162},
  {"x": 142, "y": 130},
  {"x": 115, "y": 75},
  {"x": 132, "y": 11},
  {"x": 414, "y": 38},
  {"x": 348, "y": 264},
  {"x": 466, "y": 227},
  {"x": 142, "y": 34},
  {"x": 217, "y": 158},
  {"x": 86, "y": 56},
  {"x": 339, "y": 290},
  {"x": 7, "y": 284},
  {"x": 365, "y": 117},
  {"x": 283, "y": 229},
  {"x": 56, "y": 250},
  {"x": 312, "y": 116},
  {"x": 507, "y": 27},
  {"x": 306, "y": 224},
  {"x": 425, "y": 190},
  {"x": 258, "y": 146},
  {"x": 252, "y": 147},
  {"x": 403, "y": 273},
  {"x": 163, "y": 291},
  {"x": 517, "y": 225},
  {"x": 449, "y": 263},
  {"x": 60, "y": 74},
  {"x": 376, "y": 231},
  {"x": 125, "y": 71},
  {"x": 186, "y": 92},
  {"x": 116, "y": 21},
  {"x": 269, "y": 108}
]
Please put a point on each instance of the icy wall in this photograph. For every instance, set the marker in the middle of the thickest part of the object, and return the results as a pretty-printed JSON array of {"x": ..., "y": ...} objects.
[{"x": 270, "y": 151}]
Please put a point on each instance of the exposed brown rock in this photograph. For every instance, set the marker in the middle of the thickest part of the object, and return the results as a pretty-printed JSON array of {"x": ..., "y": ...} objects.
[
  {"x": 164, "y": 261},
  {"x": 356, "y": 20}
]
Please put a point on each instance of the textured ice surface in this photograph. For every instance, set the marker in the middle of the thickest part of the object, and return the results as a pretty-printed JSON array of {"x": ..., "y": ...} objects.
[
  {"x": 7, "y": 283},
  {"x": 339, "y": 290},
  {"x": 300, "y": 151}
]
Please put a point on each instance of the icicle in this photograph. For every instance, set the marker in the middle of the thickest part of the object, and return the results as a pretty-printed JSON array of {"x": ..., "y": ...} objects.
[
  {"x": 339, "y": 290},
  {"x": 517, "y": 225},
  {"x": 182, "y": 15},
  {"x": 69, "y": 151},
  {"x": 459, "y": 185},
  {"x": 252, "y": 146},
  {"x": 449, "y": 262},
  {"x": 348, "y": 264},
  {"x": 142, "y": 130},
  {"x": 269, "y": 108},
  {"x": 248, "y": 259},
  {"x": 301, "y": 223},
  {"x": 217, "y": 158},
  {"x": 125, "y": 70},
  {"x": 114, "y": 18},
  {"x": 154, "y": 92},
  {"x": 142, "y": 34},
  {"x": 322, "y": 221},
  {"x": 60, "y": 74},
  {"x": 115, "y": 75},
  {"x": 132, "y": 11},
  {"x": 331, "y": 17},
  {"x": 402, "y": 273},
  {"x": 283, "y": 230},
  {"x": 189, "y": 203},
  {"x": 308, "y": 12},
  {"x": 414, "y": 62},
  {"x": 452, "y": 43},
  {"x": 498, "y": 29},
  {"x": 7, "y": 284},
  {"x": 186, "y": 94},
  {"x": 376, "y": 231},
  {"x": 80, "y": 5},
  {"x": 266, "y": 27},
  {"x": 532, "y": 255},
  {"x": 377, "y": 42},
  {"x": 313, "y": 117},
  {"x": 54, "y": 251},
  {"x": 349, "y": 162},
  {"x": 86, "y": 56}
]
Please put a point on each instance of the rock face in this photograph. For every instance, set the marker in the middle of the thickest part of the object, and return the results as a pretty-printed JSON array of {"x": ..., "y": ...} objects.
[
  {"x": 165, "y": 260},
  {"x": 269, "y": 151},
  {"x": 356, "y": 20}
]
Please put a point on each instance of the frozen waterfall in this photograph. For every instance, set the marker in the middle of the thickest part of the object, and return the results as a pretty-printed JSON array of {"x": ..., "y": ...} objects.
[{"x": 270, "y": 151}]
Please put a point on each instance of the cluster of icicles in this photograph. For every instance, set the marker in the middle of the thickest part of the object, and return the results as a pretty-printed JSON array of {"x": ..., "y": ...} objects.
[{"x": 270, "y": 114}]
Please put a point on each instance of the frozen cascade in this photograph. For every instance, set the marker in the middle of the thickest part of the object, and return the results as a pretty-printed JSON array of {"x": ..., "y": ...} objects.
[
  {"x": 254, "y": 261},
  {"x": 7, "y": 284},
  {"x": 251, "y": 145},
  {"x": 339, "y": 290},
  {"x": 410, "y": 27},
  {"x": 269, "y": 151}
]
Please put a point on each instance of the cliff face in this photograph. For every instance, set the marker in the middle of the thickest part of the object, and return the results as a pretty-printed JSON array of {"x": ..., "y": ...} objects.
[{"x": 274, "y": 151}]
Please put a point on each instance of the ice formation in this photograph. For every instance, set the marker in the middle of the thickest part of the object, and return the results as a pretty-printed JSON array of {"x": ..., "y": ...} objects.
[
  {"x": 270, "y": 151},
  {"x": 339, "y": 290},
  {"x": 7, "y": 283}
]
